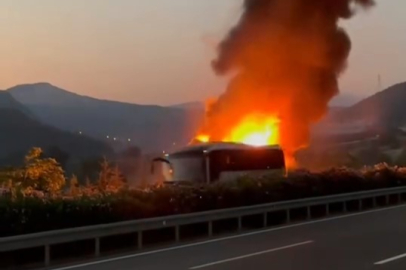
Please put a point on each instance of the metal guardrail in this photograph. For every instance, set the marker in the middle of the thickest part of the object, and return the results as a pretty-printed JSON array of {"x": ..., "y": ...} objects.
[{"x": 49, "y": 238}]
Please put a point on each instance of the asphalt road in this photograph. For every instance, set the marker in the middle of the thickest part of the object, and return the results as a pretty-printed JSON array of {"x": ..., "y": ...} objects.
[{"x": 368, "y": 240}]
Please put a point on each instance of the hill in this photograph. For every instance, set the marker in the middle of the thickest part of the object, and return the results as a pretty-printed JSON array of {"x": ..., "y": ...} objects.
[
  {"x": 8, "y": 102},
  {"x": 196, "y": 105},
  {"x": 153, "y": 128},
  {"x": 383, "y": 109},
  {"x": 370, "y": 131},
  {"x": 20, "y": 132},
  {"x": 345, "y": 100}
]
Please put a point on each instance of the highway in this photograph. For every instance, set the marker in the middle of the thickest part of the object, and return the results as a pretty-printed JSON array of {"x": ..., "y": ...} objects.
[{"x": 366, "y": 240}]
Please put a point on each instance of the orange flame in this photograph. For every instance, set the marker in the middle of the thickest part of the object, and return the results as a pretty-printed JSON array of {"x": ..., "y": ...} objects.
[
  {"x": 203, "y": 138},
  {"x": 255, "y": 130}
]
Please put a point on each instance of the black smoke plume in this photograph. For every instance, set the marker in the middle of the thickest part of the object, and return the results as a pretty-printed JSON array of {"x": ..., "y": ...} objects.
[{"x": 284, "y": 58}]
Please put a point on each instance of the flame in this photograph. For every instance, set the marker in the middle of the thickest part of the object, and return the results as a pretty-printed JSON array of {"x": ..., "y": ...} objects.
[
  {"x": 203, "y": 138},
  {"x": 255, "y": 130}
]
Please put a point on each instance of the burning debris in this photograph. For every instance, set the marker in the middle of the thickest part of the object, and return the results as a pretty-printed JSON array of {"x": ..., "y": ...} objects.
[{"x": 284, "y": 58}]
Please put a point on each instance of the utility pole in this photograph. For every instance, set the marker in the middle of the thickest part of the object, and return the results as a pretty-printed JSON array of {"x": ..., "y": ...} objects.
[{"x": 379, "y": 83}]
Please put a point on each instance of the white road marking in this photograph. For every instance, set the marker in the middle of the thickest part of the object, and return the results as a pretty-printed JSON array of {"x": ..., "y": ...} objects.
[
  {"x": 226, "y": 238},
  {"x": 250, "y": 255},
  {"x": 391, "y": 259}
]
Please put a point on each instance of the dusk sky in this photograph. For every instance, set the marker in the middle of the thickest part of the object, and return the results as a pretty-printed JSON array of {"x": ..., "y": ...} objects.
[{"x": 159, "y": 51}]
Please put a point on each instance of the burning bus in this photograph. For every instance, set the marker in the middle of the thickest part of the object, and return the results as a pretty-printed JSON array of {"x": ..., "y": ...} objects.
[
  {"x": 283, "y": 60},
  {"x": 212, "y": 162}
]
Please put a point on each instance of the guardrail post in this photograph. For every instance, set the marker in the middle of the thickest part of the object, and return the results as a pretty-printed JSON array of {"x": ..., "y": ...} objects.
[
  {"x": 360, "y": 205},
  {"x": 97, "y": 247},
  {"x": 327, "y": 209},
  {"x": 177, "y": 233},
  {"x": 399, "y": 198},
  {"x": 210, "y": 228},
  {"x": 345, "y": 207},
  {"x": 386, "y": 199},
  {"x": 374, "y": 202},
  {"x": 287, "y": 215},
  {"x": 139, "y": 239},
  {"x": 309, "y": 212},
  {"x": 47, "y": 255},
  {"x": 239, "y": 224},
  {"x": 265, "y": 219}
]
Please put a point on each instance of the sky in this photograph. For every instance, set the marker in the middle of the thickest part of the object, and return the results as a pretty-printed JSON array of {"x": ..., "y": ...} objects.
[{"x": 159, "y": 51}]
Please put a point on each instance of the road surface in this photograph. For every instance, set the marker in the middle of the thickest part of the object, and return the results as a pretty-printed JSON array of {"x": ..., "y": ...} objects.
[{"x": 367, "y": 240}]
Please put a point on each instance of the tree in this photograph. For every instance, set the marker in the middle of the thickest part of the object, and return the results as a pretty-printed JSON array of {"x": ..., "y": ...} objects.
[
  {"x": 42, "y": 174},
  {"x": 5, "y": 174},
  {"x": 110, "y": 179},
  {"x": 74, "y": 189},
  {"x": 117, "y": 180}
]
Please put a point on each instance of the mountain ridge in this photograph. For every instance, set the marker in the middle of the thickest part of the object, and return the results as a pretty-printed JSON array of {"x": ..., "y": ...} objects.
[
  {"x": 384, "y": 108},
  {"x": 20, "y": 132},
  {"x": 156, "y": 128},
  {"x": 152, "y": 127}
]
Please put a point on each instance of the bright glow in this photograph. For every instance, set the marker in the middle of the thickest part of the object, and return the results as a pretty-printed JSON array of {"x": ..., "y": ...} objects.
[
  {"x": 256, "y": 139},
  {"x": 256, "y": 130},
  {"x": 203, "y": 138}
]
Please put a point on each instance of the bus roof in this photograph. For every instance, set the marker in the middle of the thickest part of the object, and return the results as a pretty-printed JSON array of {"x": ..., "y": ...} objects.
[{"x": 214, "y": 146}]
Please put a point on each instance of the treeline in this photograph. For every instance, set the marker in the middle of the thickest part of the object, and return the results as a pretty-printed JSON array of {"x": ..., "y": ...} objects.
[
  {"x": 351, "y": 156},
  {"x": 42, "y": 176},
  {"x": 39, "y": 199}
]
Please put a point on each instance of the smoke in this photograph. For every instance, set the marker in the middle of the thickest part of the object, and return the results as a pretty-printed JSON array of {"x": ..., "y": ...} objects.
[{"x": 284, "y": 58}]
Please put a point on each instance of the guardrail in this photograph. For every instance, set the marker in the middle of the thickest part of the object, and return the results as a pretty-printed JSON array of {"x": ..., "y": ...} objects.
[{"x": 47, "y": 239}]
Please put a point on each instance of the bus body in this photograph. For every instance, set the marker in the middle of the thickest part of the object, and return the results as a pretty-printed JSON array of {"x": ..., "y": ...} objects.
[{"x": 212, "y": 162}]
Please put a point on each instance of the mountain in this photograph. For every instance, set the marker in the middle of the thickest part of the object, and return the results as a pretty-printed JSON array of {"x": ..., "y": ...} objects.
[
  {"x": 383, "y": 109},
  {"x": 153, "y": 128},
  {"x": 345, "y": 100},
  {"x": 20, "y": 132},
  {"x": 366, "y": 133},
  {"x": 195, "y": 105},
  {"x": 8, "y": 102},
  {"x": 380, "y": 117}
]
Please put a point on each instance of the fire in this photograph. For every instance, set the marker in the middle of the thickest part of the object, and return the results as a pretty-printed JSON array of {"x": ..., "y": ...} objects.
[
  {"x": 255, "y": 130},
  {"x": 284, "y": 59},
  {"x": 203, "y": 138}
]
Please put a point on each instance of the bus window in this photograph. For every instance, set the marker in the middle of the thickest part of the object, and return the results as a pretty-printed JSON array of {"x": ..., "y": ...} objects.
[
  {"x": 189, "y": 169},
  {"x": 245, "y": 160},
  {"x": 167, "y": 172}
]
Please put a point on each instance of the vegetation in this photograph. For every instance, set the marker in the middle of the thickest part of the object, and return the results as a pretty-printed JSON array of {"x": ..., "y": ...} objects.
[{"x": 37, "y": 197}]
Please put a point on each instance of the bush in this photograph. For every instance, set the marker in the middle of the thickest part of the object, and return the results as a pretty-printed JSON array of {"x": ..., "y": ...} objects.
[{"x": 91, "y": 205}]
